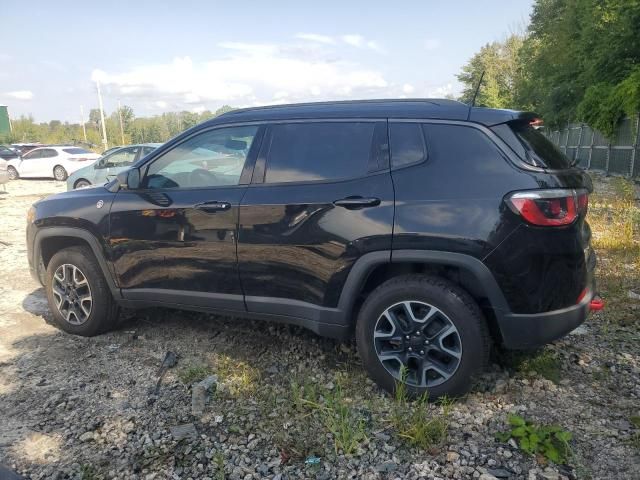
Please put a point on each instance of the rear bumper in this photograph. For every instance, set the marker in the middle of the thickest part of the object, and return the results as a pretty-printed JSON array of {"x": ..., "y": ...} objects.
[{"x": 534, "y": 330}]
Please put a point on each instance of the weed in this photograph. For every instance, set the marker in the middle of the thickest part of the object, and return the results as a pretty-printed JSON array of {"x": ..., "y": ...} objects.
[
  {"x": 417, "y": 422},
  {"x": 635, "y": 436},
  {"x": 549, "y": 441},
  {"x": 239, "y": 377},
  {"x": 218, "y": 460},
  {"x": 193, "y": 374},
  {"x": 337, "y": 415},
  {"x": 541, "y": 362},
  {"x": 88, "y": 472}
]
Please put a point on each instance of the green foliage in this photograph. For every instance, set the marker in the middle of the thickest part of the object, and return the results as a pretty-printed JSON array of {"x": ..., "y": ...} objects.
[
  {"x": 578, "y": 60},
  {"x": 546, "y": 364},
  {"x": 193, "y": 374},
  {"x": 158, "y": 128},
  {"x": 501, "y": 66},
  {"x": 418, "y": 423},
  {"x": 344, "y": 421},
  {"x": 549, "y": 441}
]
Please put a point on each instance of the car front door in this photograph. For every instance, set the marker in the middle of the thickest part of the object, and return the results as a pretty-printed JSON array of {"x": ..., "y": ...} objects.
[
  {"x": 173, "y": 239},
  {"x": 28, "y": 163},
  {"x": 321, "y": 197}
]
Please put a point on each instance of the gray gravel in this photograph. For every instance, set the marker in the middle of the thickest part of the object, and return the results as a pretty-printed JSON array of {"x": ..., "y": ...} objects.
[{"x": 74, "y": 407}]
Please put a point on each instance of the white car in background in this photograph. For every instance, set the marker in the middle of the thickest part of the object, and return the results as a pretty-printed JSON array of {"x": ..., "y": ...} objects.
[{"x": 51, "y": 161}]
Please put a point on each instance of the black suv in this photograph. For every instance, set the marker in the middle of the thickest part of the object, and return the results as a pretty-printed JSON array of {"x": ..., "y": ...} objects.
[{"x": 429, "y": 229}]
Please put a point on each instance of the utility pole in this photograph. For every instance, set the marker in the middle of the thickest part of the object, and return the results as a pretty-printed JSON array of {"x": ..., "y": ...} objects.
[
  {"x": 121, "y": 129},
  {"x": 84, "y": 130},
  {"x": 104, "y": 128}
]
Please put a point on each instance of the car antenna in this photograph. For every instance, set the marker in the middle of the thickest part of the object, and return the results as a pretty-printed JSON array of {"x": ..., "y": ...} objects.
[{"x": 475, "y": 94}]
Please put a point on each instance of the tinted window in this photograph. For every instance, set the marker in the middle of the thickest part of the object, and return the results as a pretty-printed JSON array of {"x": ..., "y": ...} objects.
[
  {"x": 319, "y": 151},
  {"x": 75, "y": 151},
  {"x": 209, "y": 159},
  {"x": 147, "y": 150},
  {"x": 457, "y": 148},
  {"x": 407, "y": 143},
  {"x": 32, "y": 154},
  {"x": 121, "y": 158},
  {"x": 532, "y": 146},
  {"x": 48, "y": 153}
]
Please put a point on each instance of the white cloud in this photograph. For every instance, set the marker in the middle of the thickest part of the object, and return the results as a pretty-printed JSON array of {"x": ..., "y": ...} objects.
[
  {"x": 441, "y": 91},
  {"x": 314, "y": 37},
  {"x": 20, "y": 94},
  {"x": 161, "y": 104},
  {"x": 244, "y": 73},
  {"x": 432, "y": 44},
  {"x": 353, "y": 40},
  {"x": 408, "y": 88}
]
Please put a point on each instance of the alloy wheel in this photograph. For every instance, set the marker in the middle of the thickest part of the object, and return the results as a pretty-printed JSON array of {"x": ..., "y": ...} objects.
[
  {"x": 13, "y": 173},
  {"x": 72, "y": 294},
  {"x": 59, "y": 173},
  {"x": 417, "y": 344}
]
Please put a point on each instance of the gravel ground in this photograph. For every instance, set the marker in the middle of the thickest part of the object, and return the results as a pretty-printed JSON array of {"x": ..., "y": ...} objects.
[{"x": 88, "y": 408}]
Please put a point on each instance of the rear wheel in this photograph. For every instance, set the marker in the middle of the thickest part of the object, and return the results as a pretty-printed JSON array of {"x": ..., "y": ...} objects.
[
  {"x": 59, "y": 173},
  {"x": 13, "y": 173},
  {"x": 425, "y": 332},
  {"x": 78, "y": 294},
  {"x": 82, "y": 183}
]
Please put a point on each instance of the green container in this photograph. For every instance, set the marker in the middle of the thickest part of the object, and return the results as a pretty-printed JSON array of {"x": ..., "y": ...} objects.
[{"x": 5, "y": 126}]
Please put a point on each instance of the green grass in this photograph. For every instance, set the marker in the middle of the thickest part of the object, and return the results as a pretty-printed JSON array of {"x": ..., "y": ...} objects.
[
  {"x": 417, "y": 422},
  {"x": 544, "y": 363},
  {"x": 194, "y": 373}
]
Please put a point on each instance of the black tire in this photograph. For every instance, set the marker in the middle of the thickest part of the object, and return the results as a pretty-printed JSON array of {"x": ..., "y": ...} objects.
[
  {"x": 81, "y": 183},
  {"x": 103, "y": 311},
  {"x": 452, "y": 304},
  {"x": 13, "y": 173},
  {"x": 59, "y": 173}
]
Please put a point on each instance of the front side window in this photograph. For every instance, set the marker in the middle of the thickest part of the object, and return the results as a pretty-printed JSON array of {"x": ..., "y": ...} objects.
[
  {"x": 210, "y": 159},
  {"x": 407, "y": 143},
  {"x": 33, "y": 154},
  {"x": 121, "y": 158},
  {"x": 302, "y": 152}
]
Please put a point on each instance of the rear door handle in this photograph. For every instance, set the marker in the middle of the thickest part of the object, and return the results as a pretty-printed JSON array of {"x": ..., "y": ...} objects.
[
  {"x": 354, "y": 203},
  {"x": 213, "y": 206}
]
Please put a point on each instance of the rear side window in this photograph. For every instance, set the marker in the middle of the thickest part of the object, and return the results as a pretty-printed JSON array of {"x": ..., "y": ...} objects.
[
  {"x": 302, "y": 152},
  {"x": 407, "y": 144},
  {"x": 532, "y": 146},
  {"x": 75, "y": 151}
]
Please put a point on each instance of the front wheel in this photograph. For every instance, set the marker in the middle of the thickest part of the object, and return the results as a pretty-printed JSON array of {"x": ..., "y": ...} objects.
[
  {"x": 425, "y": 332},
  {"x": 78, "y": 294},
  {"x": 59, "y": 173},
  {"x": 13, "y": 173},
  {"x": 81, "y": 183}
]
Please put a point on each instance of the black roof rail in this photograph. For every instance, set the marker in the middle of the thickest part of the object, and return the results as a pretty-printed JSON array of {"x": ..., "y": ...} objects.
[{"x": 433, "y": 101}]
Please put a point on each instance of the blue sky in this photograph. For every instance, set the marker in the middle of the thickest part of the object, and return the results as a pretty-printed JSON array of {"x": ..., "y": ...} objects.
[{"x": 198, "y": 55}]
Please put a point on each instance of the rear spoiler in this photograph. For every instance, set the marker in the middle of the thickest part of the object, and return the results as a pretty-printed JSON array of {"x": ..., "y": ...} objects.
[{"x": 491, "y": 117}]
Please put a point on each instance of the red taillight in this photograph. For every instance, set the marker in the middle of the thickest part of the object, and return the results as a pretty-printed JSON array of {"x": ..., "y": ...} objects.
[{"x": 549, "y": 208}]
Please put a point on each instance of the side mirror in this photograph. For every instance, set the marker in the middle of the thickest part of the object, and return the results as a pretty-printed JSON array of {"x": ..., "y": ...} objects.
[{"x": 129, "y": 179}]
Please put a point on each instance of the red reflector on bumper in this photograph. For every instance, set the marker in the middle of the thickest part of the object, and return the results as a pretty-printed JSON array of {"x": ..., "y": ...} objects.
[{"x": 596, "y": 304}]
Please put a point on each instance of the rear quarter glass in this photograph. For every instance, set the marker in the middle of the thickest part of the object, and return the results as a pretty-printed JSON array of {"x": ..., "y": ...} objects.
[{"x": 532, "y": 146}]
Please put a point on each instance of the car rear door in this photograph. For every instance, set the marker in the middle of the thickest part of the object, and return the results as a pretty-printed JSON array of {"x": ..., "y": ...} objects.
[
  {"x": 321, "y": 196},
  {"x": 174, "y": 239}
]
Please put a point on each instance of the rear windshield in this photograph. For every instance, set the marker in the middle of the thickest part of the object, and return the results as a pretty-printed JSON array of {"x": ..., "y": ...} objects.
[
  {"x": 532, "y": 146},
  {"x": 75, "y": 151}
]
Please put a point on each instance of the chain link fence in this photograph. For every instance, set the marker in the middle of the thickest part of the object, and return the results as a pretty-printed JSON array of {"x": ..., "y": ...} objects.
[{"x": 593, "y": 151}]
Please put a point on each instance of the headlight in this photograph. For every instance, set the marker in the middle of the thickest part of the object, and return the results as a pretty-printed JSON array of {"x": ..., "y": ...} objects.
[{"x": 31, "y": 214}]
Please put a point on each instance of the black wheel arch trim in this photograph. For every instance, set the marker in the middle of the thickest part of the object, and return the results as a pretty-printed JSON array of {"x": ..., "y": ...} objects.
[
  {"x": 82, "y": 234},
  {"x": 365, "y": 265}
]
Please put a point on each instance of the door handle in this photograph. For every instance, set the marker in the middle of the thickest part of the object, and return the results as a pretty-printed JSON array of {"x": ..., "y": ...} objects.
[
  {"x": 213, "y": 206},
  {"x": 355, "y": 203}
]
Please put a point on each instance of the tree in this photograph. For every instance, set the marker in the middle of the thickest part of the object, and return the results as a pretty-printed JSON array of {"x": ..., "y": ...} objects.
[{"x": 501, "y": 66}]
